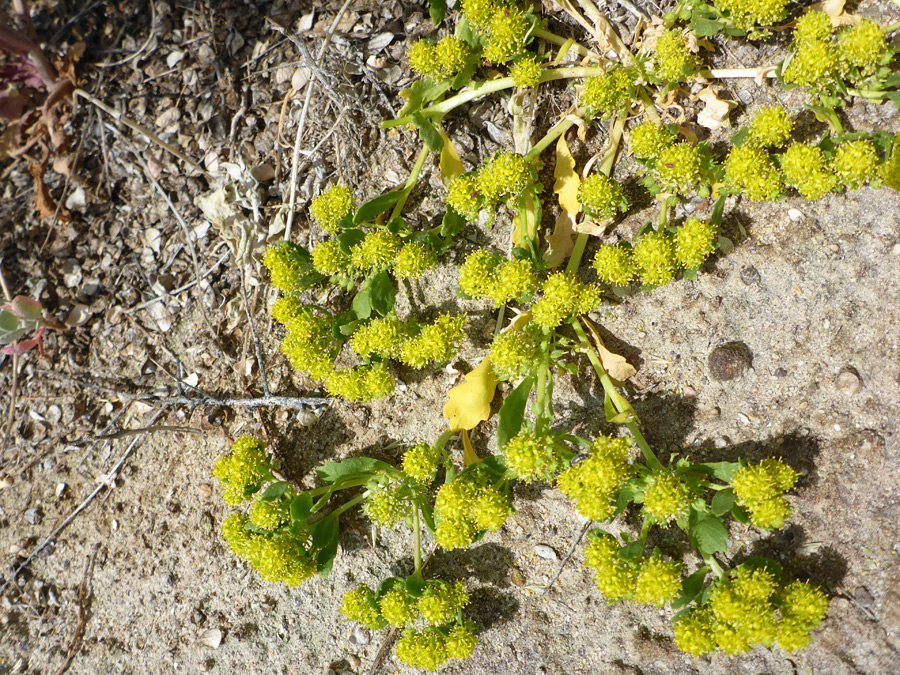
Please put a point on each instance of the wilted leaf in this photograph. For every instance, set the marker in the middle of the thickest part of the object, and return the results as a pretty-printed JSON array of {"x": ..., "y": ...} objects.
[
  {"x": 528, "y": 210},
  {"x": 567, "y": 180},
  {"x": 835, "y": 9},
  {"x": 615, "y": 364},
  {"x": 560, "y": 242},
  {"x": 451, "y": 166},
  {"x": 43, "y": 200},
  {"x": 715, "y": 114},
  {"x": 469, "y": 402},
  {"x": 469, "y": 456}
]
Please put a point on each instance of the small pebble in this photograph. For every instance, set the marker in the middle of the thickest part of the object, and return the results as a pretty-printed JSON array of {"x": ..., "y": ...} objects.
[
  {"x": 780, "y": 372},
  {"x": 728, "y": 361},
  {"x": 211, "y": 638},
  {"x": 204, "y": 490},
  {"x": 834, "y": 248},
  {"x": 795, "y": 214},
  {"x": 848, "y": 382},
  {"x": 359, "y": 636},
  {"x": 689, "y": 392},
  {"x": 750, "y": 276},
  {"x": 546, "y": 552},
  {"x": 33, "y": 516}
]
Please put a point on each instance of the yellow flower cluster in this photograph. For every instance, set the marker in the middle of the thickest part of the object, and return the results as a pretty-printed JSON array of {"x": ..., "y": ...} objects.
[
  {"x": 594, "y": 483},
  {"x": 759, "y": 489},
  {"x": 490, "y": 275},
  {"x": 275, "y": 557},
  {"x": 466, "y": 506},
  {"x": 563, "y": 296},
  {"x": 666, "y": 497},
  {"x": 332, "y": 206},
  {"x": 512, "y": 354},
  {"x": 243, "y": 470}
]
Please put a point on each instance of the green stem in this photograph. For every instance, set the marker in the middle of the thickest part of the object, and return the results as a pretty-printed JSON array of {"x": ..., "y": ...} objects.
[
  {"x": 481, "y": 89},
  {"x": 663, "y": 215},
  {"x": 417, "y": 539},
  {"x": 891, "y": 28},
  {"x": 346, "y": 506},
  {"x": 714, "y": 566},
  {"x": 616, "y": 129},
  {"x": 540, "y": 402},
  {"x": 649, "y": 107},
  {"x": 617, "y": 399},
  {"x": 344, "y": 486},
  {"x": 645, "y": 530},
  {"x": 410, "y": 182},
  {"x": 555, "y": 132},
  {"x": 869, "y": 93},
  {"x": 553, "y": 38}
]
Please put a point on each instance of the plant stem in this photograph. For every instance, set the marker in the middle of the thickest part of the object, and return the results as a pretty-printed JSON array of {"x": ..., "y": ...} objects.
[
  {"x": 734, "y": 73},
  {"x": 410, "y": 182},
  {"x": 617, "y": 399},
  {"x": 649, "y": 106},
  {"x": 555, "y": 132},
  {"x": 714, "y": 566},
  {"x": 616, "y": 129},
  {"x": 561, "y": 41},
  {"x": 417, "y": 539},
  {"x": 481, "y": 89},
  {"x": 346, "y": 506},
  {"x": 540, "y": 402}
]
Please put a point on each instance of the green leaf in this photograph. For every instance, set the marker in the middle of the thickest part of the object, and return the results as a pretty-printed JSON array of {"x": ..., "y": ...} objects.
[
  {"x": 362, "y": 304},
  {"x": 301, "y": 507},
  {"x": 740, "y": 514},
  {"x": 332, "y": 471},
  {"x": 420, "y": 93},
  {"x": 387, "y": 585},
  {"x": 464, "y": 76},
  {"x": 512, "y": 412},
  {"x": 740, "y": 137},
  {"x": 690, "y": 588},
  {"x": 438, "y": 10},
  {"x": 376, "y": 206},
  {"x": 8, "y": 321},
  {"x": 381, "y": 293},
  {"x": 274, "y": 491},
  {"x": 624, "y": 497},
  {"x": 632, "y": 551},
  {"x": 495, "y": 464},
  {"x": 707, "y": 533},
  {"x": 415, "y": 585},
  {"x": 428, "y": 132},
  {"x": 427, "y": 516},
  {"x": 350, "y": 238},
  {"x": 722, "y": 502},
  {"x": 705, "y": 27},
  {"x": 325, "y": 538},
  {"x": 724, "y": 471},
  {"x": 452, "y": 224},
  {"x": 28, "y": 309}
]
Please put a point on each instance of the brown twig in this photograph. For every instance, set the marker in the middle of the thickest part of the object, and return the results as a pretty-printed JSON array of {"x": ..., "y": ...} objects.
[
  {"x": 108, "y": 482},
  {"x": 302, "y": 123},
  {"x": 147, "y": 430},
  {"x": 85, "y": 593},
  {"x": 568, "y": 556}
]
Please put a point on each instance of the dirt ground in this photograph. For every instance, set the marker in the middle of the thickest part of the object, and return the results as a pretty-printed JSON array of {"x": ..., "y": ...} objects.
[{"x": 141, "y": 582}]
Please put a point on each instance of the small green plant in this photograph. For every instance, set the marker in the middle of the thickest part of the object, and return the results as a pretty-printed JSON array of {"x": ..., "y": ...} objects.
[
  {"x": 19, "y": 318},
  {"x": 366, "y": 250}
]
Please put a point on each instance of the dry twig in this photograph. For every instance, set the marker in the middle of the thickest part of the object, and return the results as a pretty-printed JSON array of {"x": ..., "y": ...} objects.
[
  {"x": 292, "y": 202},
  {"x": 85, "y": 591},
  {"x": 568, "y": 556}
]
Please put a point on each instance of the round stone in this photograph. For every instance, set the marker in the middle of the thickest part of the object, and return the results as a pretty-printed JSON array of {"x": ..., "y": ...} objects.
[{"x": 729, "y": 361}]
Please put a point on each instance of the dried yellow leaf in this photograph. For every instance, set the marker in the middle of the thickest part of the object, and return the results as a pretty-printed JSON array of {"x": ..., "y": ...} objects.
[
  {"x": 567, "y": 180},
  {"x": 451, "y": 165},
  {"x": 615, "y": 364},
  {"x": 469, "y": 402}
]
